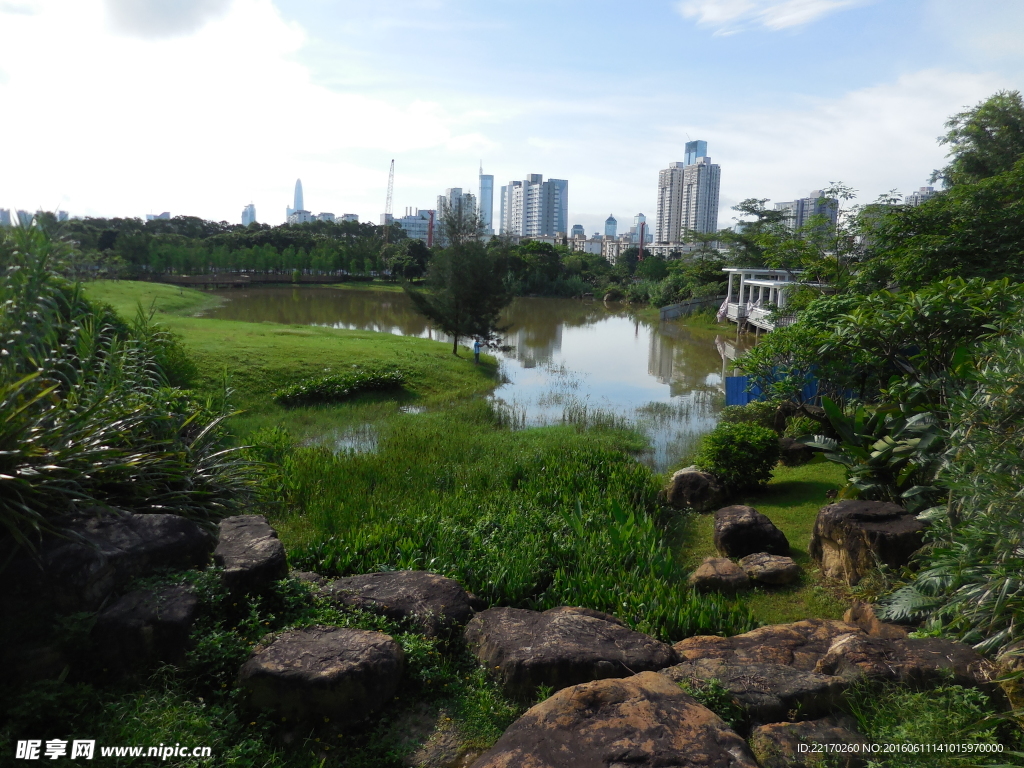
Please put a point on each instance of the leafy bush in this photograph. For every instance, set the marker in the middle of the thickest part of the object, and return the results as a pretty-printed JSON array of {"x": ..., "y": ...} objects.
[
  {"x": 86, "y": 416},
  {"x": 716, "y": 697},
  {"x": 337, "y": 387},
  {"x": 740, "y": 455},
  {"x": 971, "y": 584},
  {"x": 759, "y": 412}
]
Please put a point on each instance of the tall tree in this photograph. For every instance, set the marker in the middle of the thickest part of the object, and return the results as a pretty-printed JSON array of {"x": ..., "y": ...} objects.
[
  {"x": 984, "y": 141},
  {"x": 465, "y": 280}
]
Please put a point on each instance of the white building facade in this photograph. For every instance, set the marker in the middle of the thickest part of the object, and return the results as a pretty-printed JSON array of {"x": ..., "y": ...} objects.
[
  {"x": 534, "y": 207},
  {"x": 688, "y": 196}
]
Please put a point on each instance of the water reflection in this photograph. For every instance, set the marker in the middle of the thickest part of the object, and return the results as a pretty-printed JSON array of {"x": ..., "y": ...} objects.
[{"x": 564, "y": 359}]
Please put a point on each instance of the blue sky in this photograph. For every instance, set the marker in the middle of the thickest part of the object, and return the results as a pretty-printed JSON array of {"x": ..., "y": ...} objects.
[{"x": 124, "y": 107}]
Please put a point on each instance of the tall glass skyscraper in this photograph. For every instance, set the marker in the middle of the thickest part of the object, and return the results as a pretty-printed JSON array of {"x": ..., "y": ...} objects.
[
  {"x": 486, "y": 201},
  {"x": 611, "y": 226},
  {"x": 248, "y": 215},
  {"x": 695, "y": 149},
  {"x": 299, "y": 205}
]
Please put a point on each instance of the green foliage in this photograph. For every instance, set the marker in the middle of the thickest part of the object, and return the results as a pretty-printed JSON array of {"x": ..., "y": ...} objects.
[
  {"x": 740, "y": 455},
  {"x": 787, "y": 360},
  {"x": 891, "y": 452},
  {"x": 716, "y": 697},
  {"x": 338, "y": 387},
  {"x": 949, "y": 714},
  {"x": 971, "y": 582},
  {"x": 86, "y": 418},
  {"x": 534, "y": 519},
  {"x": 985, "y": 141},
  {"x": 467, "y": 293},
  {"x": 759, "y": 412}
]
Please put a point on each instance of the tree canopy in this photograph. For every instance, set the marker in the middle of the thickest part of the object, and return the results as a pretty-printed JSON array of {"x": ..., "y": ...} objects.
[{"x": 984, "y": 141}]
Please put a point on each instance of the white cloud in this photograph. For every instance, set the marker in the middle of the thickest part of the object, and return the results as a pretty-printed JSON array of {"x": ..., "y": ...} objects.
[
  {"x": 730, "y": 16},
  {"x": 159, "y": 18}
]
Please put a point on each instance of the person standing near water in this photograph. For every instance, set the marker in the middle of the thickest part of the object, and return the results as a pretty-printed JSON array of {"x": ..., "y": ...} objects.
[{"x": 476, "y": 351}]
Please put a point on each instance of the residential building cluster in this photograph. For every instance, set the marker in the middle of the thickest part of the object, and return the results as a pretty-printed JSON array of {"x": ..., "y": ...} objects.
[
  {"x": 688, "y": 196},
  {"x": 297, "y": 213}
]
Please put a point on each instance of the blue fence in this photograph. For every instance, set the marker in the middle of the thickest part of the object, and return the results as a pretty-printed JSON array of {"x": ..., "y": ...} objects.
[{"x": 736, "y": 392}]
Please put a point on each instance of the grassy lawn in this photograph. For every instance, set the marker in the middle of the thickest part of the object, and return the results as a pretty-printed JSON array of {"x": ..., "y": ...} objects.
[
  {"x": 260, "y": 358},
  {"x": 791, "y": 500}
]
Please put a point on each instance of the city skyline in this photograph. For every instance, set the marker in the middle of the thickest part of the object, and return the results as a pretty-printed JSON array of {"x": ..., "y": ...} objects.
[{"x": 896, "y": 72}]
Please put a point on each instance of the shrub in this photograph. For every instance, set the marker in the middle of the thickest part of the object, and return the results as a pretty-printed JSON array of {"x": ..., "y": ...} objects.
[
  {"x": 332, "y": 389},
  {"x": 760, "y": 412},
  {"x": 740, "y": 455}
]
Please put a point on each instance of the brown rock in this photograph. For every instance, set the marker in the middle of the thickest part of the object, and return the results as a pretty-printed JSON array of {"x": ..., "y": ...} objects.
[
  {"x": 906, "y": 660},
  {"x": 339, "y": 673},
  {"x": 863, "y": 615},
  {"x": 692, "y": 489},
  {"x": 719, "y": 574},
  {"x": 850, "y": 537},
  {"x": 778, "y": 745},
  {"x": 435, "y": 605},
  {"x": 145, "y": 627},
  {"x": 768, "y": 692},
  {"x": 558, "y": 648},
  {"x": 741, "y": 530},
  {"x": 250, "y": 553},
  {"x": 770, "y": 569},
  {"x": 642, "y": 721},
  {"x": 792, "y": 453},
  {"x": 799, "y": 645}
]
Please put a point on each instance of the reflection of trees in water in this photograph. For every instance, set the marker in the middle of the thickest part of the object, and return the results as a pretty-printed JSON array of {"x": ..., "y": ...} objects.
[
  {"x": 536, "y": 325},
  {"x": 355, "y": 309}
]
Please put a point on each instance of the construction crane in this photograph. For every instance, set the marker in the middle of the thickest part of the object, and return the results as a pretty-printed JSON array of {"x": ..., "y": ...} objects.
[{"x": 387, "y": 204}]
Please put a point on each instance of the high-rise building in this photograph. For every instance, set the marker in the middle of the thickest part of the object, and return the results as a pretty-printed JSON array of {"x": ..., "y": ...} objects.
[
  {"x": 25, "y": 218},
  {"x": 249, "y": 215},
  {"x": 610, "y": 226},
  {"x": 62, "y": 216},
  {"x": 416, "y": 223},
  {"x": 350, "y": 217},
  {"x": 578, "y": 231},
  {"x": 298, "y": 204},
  {"x": 301, "y": 217},
  {"x": 923, "y": 194},
  {"x": 534, "y": 207},
  {"x": 325, "y": 216},
  {"x": 158, "y": 216},
  {"x": 486, "y": 199},
  {"x": 453, "y": 201},
  {"x": 634, "y": 232},
  {"x": 799, "y": 212},
  {"x": 5, "y": 217},
  {"x": 688, "y": 195}
]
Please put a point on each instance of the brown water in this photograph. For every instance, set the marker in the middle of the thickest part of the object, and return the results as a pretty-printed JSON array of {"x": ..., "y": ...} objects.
[{"x": 568, "y": 359}]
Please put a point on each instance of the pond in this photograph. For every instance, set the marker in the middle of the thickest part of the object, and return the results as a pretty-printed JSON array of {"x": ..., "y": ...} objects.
[{"x": 563, "y": 359}]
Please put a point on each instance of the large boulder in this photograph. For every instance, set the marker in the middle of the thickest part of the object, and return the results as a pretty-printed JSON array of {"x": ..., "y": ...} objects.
[
  {"x": 101, "y": 554},
  {"x": 145, "y": 627},
  {"x": 719, "y": 574},
  {"x": 851, "y": 537},
  {"x": 250, "y": 553},
  {"x": 804, "y": 744},
  {"x": 793, "y": 453},
  {"x": 775, "y": 570},
  {"x": 691, "y": 488},
  {"x": 560, "y": 647},
  {"x": 907, "y": 660},
  {"x": 768, "y": 692},
  {"x": 863, "y": 615},
  {"x": 343, "y": 674},
  {"x": 799, "y": 645},
  {"x": 742, "y": 531},
  {"x": 642, "y": 721},
  {"x": 433, "y": 604}
]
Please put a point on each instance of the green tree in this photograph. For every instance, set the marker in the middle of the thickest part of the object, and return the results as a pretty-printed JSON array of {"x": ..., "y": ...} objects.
[{"x": 984, "y": 141}]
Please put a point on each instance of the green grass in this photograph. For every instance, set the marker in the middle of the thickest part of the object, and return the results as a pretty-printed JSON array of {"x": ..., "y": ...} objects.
[{"x": 791, "y": 500}]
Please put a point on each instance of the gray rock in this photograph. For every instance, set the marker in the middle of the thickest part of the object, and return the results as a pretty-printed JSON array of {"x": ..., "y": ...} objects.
[
  {"x": 741, "y": 530},
  {"x": 792, "y": 453},
  {"x": 145, "y": 627},
  {"x": 559, "y": 648},
  {"x": 250, "y": 553},
  {"x": 719, "y": 574},
  {"x": 343, "y": 674},
  {"x": 851, "y": 537},
  {"x": 643, "y": 721},
  {"x": 763, "y": 568},
  {"x": 778, "y": 745},
  {"x": 767, "y": 691},
  {"x": 435, "y": 605},
  {"x": 692, "y": 489},
  {"x": 101, "y": 555}
]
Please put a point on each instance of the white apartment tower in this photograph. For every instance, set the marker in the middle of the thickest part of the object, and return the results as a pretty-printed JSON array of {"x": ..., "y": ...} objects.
[
  {"x": 688, "y": 196},
  {"x": 486, "y": 199},
  {"x": 534, "y": 207}
]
